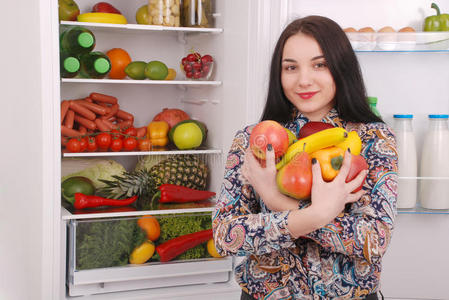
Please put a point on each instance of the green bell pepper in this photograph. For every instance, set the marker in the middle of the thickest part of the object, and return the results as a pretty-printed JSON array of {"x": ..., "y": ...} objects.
[{"x": 440, "y": 22}]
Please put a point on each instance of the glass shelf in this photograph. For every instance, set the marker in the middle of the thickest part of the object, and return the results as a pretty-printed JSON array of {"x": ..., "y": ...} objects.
[
  {"x": 142, "y": 153},
  {"x": 422, "y": 211},
  {"x": 149, "y": 82}
]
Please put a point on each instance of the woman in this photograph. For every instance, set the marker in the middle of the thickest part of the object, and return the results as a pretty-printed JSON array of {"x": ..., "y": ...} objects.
[{"x": 311, "y": 249}]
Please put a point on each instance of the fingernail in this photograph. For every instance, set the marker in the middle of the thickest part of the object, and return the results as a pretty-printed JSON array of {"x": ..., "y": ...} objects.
[
  {"x": 269, "y": 147},
  {"x": 313, "y": 161},
  {"x": 349, "y": 150}
]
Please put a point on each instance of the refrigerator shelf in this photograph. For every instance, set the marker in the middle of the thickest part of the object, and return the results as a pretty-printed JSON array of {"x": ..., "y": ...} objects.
[
  {"x": 139, "y": 27},
  {"x": 422, "y": 211},
  {"x": 147, "y": 81},
  {"x": 143, "y": 153}
]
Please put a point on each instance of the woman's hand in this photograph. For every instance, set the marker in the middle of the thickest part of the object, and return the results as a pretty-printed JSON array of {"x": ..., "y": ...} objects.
[
  {"x": 263, "y": 180},
  {"x": 329, "y": 198}
]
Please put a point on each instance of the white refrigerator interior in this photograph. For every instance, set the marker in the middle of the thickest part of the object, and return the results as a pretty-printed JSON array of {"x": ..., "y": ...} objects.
[{"x": 34, "y": 249}]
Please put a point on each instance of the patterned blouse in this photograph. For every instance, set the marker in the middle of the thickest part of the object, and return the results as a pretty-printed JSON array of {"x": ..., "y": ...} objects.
[{"x": 341, "y": 260}]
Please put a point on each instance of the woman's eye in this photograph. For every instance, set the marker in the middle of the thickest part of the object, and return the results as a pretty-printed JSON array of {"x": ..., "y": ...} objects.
[
  {"x": 320, "y": 65},
  {"x": 290, "y": 68}
]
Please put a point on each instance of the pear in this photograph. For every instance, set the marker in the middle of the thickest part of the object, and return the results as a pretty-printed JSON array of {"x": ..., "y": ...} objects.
[{"x": 295, "y": 178}]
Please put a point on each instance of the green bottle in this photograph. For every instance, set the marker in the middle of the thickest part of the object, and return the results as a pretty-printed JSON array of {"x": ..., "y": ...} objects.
[
  {"x": 69, "y": 65},
  {"x": 372, "y": 101},
  {"x": 94, "y": 65},
  {"x": 77, "y": 40}
]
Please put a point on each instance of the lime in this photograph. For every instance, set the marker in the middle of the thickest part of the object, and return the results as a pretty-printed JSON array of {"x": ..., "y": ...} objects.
[
  {"x": 136, "y": 70},
  {"x": 156, "y": 70},
  {"x": 142, "y": 16},
  {"x": 187, "y": 136}
]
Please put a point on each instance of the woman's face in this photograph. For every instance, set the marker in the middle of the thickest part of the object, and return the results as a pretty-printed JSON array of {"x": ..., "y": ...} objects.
[{"x": 305, "y": 77}]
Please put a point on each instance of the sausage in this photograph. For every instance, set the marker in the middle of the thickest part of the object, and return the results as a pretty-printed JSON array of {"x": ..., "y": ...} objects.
[
  {"x": 101, "y": 126},
  {"x": 98, "y": 109},
  {"x": 64, "y": 108},
  {"x": 103, "y": 98},
  {"x": 69, "y": 118},
  {"x": 80, "y": 109},
  {"x": 88, "y": 100},
  {"x": 141, "y": 132},
  {"x": 109, "y": 124},
  {"x": 82, "y": 129},
  {"x": 85, "y": 122},
  {"x": 124, "y": 115},
  {"x": 112, "y": 112},
  {"x": 69, "y": 132},
  {"x": 125, "y": 124}
]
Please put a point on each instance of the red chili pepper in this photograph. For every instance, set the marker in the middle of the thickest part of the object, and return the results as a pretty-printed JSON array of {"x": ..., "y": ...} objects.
[
  {"x": 84, "y": 201},
  {"x": 181, "y": 194},
  {"x": 174, "y": 247}
]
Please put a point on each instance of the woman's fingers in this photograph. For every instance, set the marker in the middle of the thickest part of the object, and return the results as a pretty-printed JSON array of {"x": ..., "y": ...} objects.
[
  {"x": 346, "y": 165},
  {"x": 269, "y": 155},
  {"x": 316, "y": 171},
  {"x": 355, "y": 197}
]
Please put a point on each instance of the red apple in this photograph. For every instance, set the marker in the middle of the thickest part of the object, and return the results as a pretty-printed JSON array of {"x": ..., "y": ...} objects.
[
  {"x": 313, "y": 127},
  {"x": 268, "y": 132},
  {"x": 358, "y": 163},
  {"x": 295, "y": 178},
  {"x": 105, "y": 7}
]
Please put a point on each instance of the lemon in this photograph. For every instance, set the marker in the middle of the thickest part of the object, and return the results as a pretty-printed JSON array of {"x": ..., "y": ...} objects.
[
  {"x": 171, "y": 74},
  {"x": 212, "y": 250},
  {"x": 156, "y": 70},
  {"x": 187, "y": 136},
  {"x": 142, "y": 253},
  {"x": 142, "y": 16},
  {"x": 136, "y": 70}
]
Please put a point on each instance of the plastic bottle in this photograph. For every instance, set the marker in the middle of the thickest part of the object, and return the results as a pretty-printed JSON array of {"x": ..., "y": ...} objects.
[
  {"x": 434, "y": 191},
  {"x": 69, "y": 65},
  {"x": 407, "y": 165},
  {"x": 77, "y": 40},
  {"x": 372, "y": 101},
  {"x": 94, "y": 65}
]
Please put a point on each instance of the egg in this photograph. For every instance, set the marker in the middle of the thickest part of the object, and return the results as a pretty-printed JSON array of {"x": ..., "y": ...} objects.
[
  {"x": 406, "y": 38},
  {"x": 387, "y": 29},
  {"x": 349, "y": 29},
  {"x": 407, "y": 29},
  {"x": 367, "y": 29},
  {"x": 367, "y": 39},
  {"x": 386, "y": 39}
]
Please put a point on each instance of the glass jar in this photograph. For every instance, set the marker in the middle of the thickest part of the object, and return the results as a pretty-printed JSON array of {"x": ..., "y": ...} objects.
[
  {"x": 164, "y": 12},
  {"x": 197, "y": 13}
]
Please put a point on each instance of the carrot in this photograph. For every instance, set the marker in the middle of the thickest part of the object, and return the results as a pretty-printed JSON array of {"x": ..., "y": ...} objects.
[
  {"x": 112, "y": 112},
  {"x": 124, "y": 115},
  {"x": 141, "y": 132},
  {"x": 69, "y": 118},
  {"x": 101, "y": 126},
  {"x": 69, "y": 132},
  {"x": 85, "y": 122},
  {"x": 98, "y": 109},
  {"x": 64, "y": 108},
  {"x": 103, "y": 98},
  {"x": 78, "y": 108}
]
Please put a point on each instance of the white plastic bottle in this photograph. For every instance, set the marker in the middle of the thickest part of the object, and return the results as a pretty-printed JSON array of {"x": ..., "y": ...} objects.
[
  {"x": 407, "y": 161},
  {"x": 434, "y": 167}
]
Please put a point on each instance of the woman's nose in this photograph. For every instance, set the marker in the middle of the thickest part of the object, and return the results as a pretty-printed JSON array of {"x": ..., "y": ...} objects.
[{"x": 304, "y": 78}]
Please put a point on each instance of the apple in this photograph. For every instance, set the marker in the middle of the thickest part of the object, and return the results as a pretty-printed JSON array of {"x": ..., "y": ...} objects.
[
  {"x": 268, "y": 132},
  {"x": 105, "y": 7},
  {"x": 142, "y": 16},
  {"x": 68, "y": 10},
  {"x": 295, "y": 178},
  {"x": 313, "y": 127},
  {"x": 358, "y": 164}
]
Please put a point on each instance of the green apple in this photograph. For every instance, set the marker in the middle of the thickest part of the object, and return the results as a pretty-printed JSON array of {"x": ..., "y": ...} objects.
[
  {"x": 142, "y": 16},
  {"x": 187, "y": 135}
]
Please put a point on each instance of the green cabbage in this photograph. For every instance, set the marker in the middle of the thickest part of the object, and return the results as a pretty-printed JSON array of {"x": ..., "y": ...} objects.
[{"x": 92, "y": 168}]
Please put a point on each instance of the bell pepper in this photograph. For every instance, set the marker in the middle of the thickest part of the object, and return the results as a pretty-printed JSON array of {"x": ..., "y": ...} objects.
[
  {"x": 330, "y": 159},
  {"x": 440, "y": 22},
  {"x": 157, "y": 132},
  {"x": 353, "y": 142}
]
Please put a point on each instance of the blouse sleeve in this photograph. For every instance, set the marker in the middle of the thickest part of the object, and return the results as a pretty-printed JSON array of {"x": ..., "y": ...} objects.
[
  {"x": 365, "y": 231},
  {"x": 241, "y": 226}
]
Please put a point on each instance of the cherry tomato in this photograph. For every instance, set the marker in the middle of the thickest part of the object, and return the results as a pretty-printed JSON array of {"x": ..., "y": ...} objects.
[
  {"x": 83, "y": 144},
  {"x": 116, "y": 134},
  {"x": 103, "y": 141},
  {"x": 73, "y": 145},
  {"x": 116, "y": 145},
  {"x": 131, "y": 131},
  {"x": 129, "y": 144},
  {"x": 144, "y": 144},
  {"x": 206, "y": 59},
  {"x": 91, "y": 144}
]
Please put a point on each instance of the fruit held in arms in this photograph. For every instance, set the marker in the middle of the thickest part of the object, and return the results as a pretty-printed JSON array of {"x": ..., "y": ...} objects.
[
  {"x": 120, "y": 59},
  {"x": 142, "y": 16},
  {"x": 295, "y": 178},
  {"x": 268, "y": 132},
  {"x": 68, "y": 10},
  {"x": 105, "y": 7},
  {"x": 187, "y": 134},
  {"x": 172, "y": 116},
  {"x": 313, "y": 127},
  {"x": 291, "y": 137},
  {"x": 156, "y": 70}
]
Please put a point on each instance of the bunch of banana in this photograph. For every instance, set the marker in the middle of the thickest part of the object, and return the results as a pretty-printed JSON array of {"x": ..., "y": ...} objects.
[
  {"x": 98, "y": 17},
  {"x": 319, "y": 140}
]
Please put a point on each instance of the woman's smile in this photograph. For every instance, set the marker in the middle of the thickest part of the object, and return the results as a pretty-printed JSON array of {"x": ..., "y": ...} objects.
[{"x": 306, "y": 95}]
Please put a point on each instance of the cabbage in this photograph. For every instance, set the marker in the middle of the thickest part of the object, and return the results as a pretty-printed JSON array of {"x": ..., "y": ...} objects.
[{"x": 92, "y": 168}]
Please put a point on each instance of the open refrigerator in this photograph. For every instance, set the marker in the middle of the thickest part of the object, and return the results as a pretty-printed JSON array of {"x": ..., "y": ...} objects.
[{"x": 241, "y": 42}]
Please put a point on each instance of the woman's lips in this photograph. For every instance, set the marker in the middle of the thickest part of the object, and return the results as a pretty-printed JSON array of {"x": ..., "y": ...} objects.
[{"x": 306, "y": 96}]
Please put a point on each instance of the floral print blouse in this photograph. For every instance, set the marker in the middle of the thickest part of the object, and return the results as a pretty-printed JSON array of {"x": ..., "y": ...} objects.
[{"x": 341, "y": 260}]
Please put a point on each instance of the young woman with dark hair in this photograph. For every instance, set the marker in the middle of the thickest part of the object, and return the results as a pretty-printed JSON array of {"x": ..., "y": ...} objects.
[{"x": 314, "y": 249}]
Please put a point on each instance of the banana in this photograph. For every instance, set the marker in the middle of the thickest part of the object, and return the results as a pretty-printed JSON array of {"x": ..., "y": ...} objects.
[
  {"x": 97, "y": 17},
  {"x": 319, "y": 140}
]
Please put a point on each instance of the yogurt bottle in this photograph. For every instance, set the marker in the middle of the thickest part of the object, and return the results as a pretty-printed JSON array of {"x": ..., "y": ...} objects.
[
  {"x": 434, "y": 167},
  {"x": 407, "y": 161}
]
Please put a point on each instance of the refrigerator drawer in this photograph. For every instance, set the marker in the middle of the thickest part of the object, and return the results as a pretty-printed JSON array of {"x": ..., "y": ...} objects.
[{"x": 102, "y": 255}]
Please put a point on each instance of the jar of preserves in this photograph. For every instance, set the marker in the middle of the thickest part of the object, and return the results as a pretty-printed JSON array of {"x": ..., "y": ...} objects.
[
  {"x": 197, "y": 13},
  {"x": 164, "y": 12}
]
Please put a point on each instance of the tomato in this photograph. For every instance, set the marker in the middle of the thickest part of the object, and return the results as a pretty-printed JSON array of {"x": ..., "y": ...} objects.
[
  {"x": 73, "y": 145},
  {"x": 116, "y": 134},
  {"x": 129, "y": 144},
  {"x": 130, "y": 131},
  {"x": 144, "y": 144},
  {"x": 103, "y": 141},
  {"x": 116, "y": 145},
  {"x": 83, "y": 144},
  {"x": 91, "y": 144}
]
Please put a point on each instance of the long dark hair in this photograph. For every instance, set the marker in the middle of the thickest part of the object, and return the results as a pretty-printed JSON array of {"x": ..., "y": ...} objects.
[{"x": 350, "y": 96}]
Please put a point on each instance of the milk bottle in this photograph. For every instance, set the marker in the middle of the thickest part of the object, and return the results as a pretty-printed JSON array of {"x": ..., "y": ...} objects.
[
  {"x": 434, "y": 167},
  {"x": 407, "y": 161}
]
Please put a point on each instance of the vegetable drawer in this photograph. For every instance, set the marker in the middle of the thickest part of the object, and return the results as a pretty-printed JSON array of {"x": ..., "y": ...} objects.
[{"x": 128, "y": 253}]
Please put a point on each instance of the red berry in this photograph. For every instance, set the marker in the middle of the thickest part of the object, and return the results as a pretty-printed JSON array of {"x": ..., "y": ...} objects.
[
  {"x": 197, "y": 66},
  {"x": 188, "y": 68},
  {"x": 197, "y": 74},
  {"x": 191, "y": 57},
  {"x": 189, "y": 75},
  {"x": 206, "y": 59},
  {"x": 184, "y": 60}
]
